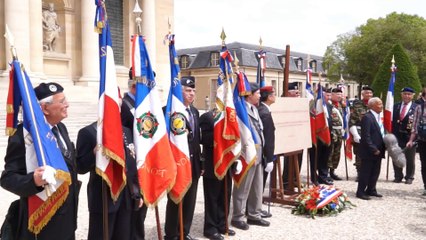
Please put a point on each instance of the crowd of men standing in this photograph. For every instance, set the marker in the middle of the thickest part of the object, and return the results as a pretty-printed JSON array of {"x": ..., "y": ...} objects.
[{"x": 126, "y": 215}]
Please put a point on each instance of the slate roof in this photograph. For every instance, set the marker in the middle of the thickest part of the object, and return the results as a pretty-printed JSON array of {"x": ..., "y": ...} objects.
[{"x": 199, "y": 57}]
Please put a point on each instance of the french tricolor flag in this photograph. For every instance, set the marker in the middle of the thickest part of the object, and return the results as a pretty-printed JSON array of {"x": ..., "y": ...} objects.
[{"x": 387, "y": 122}]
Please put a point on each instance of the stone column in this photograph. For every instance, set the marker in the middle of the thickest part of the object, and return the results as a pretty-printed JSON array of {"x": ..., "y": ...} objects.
[
  {"x": 16, "y": 16},
  {"x": 148, "y": 29},
  {"x": 36, "y": 36},
  {"x": 89, "y": 46}
]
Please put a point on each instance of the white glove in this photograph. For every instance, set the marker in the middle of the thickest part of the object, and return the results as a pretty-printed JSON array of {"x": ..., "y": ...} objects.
[
  {"x": 355, "y": 134},
  {"x": 269, "y": 167},
  {"x": 49, "y": 176},
  {"x": 238, "y": 166}
]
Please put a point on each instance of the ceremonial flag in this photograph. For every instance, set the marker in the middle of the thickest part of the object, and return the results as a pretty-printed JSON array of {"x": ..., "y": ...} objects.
[
  {"x": 261, "y": 67},
  {"x": 387, "y": 122},
  {"x": 310, "y": 96},
  {"x": 347, "y": 137},
  {"x": 155, "y": 161},
  {"x": 175, "y": 121},
  {"x": 41, "y": 149},
  {"x": 110, "y": 157},
  {"x": 248, "y": 139},
  {"x": 321, "y": 123},
  {"x": 226, "y": 132},
  {"x": 327, "y": 194}
]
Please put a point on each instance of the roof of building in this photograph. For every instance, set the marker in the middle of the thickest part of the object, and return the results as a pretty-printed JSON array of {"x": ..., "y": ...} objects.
[{"x": 199, "y": 57}]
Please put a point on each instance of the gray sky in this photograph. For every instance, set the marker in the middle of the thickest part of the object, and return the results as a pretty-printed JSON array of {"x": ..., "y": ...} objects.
[{"x": 306, "y": 25}]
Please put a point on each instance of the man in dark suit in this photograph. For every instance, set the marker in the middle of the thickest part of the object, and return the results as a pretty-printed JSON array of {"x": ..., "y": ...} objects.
[
  {"x": 120, "y": 212},
  {"x": 372, "y": 150},
  {"x": 16, "y": 179},
  {"x": 267, "y": 98},
  {"x": 189, "y": 200},
  {"x": 215, "y": 216},
  {"x": 127, "y": 118},
  {"x": 402, "y": 124}
]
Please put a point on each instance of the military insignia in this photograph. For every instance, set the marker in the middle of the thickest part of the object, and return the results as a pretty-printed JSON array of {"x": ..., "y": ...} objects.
[
  {"x": 147, "y": 125},
  {"x": 53, "y": 88},
  {"x": 178, "y": 123}
]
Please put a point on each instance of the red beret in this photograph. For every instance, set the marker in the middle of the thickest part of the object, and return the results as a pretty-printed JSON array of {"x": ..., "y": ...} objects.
[{"x": 267, "y": 89}]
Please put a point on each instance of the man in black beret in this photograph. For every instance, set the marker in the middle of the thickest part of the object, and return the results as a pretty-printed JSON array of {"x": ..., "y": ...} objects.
[
  {"x": 189, "y": 200},
  {"x": 16, "y": 179},
  {"x": 402, "y": 124},
  {"x": 293, "y": 89},
  {"x": 336, "y": 131}
]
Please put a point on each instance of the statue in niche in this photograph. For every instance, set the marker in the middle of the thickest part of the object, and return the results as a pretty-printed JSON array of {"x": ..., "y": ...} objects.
[{"x": 51, "y": 28}]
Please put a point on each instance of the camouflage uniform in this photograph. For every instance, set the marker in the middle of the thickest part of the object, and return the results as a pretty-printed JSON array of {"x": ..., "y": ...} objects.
[
  {"x": 358, "y": 110},
  {"x": 336, "y": 135}
]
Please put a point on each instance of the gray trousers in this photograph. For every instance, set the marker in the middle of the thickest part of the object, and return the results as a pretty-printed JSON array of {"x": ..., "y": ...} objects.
[{"x": 249, "y": 195}]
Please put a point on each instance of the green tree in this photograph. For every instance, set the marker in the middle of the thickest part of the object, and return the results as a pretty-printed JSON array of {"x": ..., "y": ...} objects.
[
  {"x": 359, "y": 54},
  {"x": 406, "y": 74}
]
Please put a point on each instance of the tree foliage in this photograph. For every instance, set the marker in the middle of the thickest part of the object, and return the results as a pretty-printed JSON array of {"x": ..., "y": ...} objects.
[
  {"x": 358, "y": 55},
  {"x": 406, "y": 75}
]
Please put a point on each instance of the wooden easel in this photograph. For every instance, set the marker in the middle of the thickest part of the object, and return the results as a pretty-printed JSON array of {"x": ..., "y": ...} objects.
[{"x": 278, "y": 193}]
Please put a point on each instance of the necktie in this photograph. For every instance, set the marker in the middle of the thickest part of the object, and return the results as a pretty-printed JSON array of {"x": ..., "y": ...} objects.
[
  {"x": 55, "y": 131},
  {"x": 190, "y": 119},
  {"x": 382, "y": 129},
  {"x": 403, "y": 110}
]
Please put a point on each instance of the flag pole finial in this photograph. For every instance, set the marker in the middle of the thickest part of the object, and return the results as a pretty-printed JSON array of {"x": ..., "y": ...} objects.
[
  {"x": 393, "y": 67},
  {"x": 260, "y": 43},
  {"x": 137, "y": 11},
  {"x": 223, "y": 36},
  {"x": 236, "y": 62},
  {"x": 11, "y": 39},
  {"x": 170, "y": 25}
]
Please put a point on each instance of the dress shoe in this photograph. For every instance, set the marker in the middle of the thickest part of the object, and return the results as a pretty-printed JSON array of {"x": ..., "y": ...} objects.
[
  {"x": 188, "y": 237},
  {"x": 326, "y": 182},
  {"x": 375, "y": 195},
  {"x": 409, "y": 181},
  {"x": 240, "y": 225},
  {"x": 334, "y": 176},
  {"x": 363, "y": 197},
  {"x": 230, "y": 232},
  {"x": 258, "y": 222},
  {"x": 215, "y": 236},
  {"x": 265, "y": 214},
  {"x": 397, "y": 180}
]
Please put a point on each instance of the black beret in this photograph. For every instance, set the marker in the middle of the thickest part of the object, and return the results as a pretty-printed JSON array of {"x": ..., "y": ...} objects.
[
  {"x": 45, "y": 90},
  {"x": 408, "y": 89},
  {"x": 293, "y": 86},
  {"x": 254, "y": 87},
  {"x": 336, "y": 90},
  {"x": 327, "y": 90},
  {"x": 188, "y": 81},
  {"x": 367, "y": 88}
]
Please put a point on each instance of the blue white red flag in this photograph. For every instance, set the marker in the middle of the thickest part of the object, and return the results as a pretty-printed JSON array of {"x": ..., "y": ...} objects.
[
  {"x": 175, "y": 116},
  {"x": 261, "y": 67},
  {"x": 308, "y": 88},
  {"x": 248, "y": 137},
  {"x": 388, "y": 113},
  {"x": 310, "y": 95},
  {"x": 110, "y": 163},
  {"x": 41, "y": 149},
  {"x": 327, "y": 194},
  {"x": 155, "y": 162},
  {"x": 226, "y": 132},
  {"x": 321, "y": 123},
  {"x": 347, "y": 137}
]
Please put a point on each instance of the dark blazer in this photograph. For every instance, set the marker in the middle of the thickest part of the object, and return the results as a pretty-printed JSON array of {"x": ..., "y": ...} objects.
[
  {"x": 86, "y": 162},
  {"x": 207, "y": 139},
  {"x": 402, "y": 129},
  {"x": 194, "y": 144},
  {"x": 16, "y": 180},
  {"x": 268, "y": 133},
  {"x": 127, "y": 117},
  {"x": 371, "y": 138}
]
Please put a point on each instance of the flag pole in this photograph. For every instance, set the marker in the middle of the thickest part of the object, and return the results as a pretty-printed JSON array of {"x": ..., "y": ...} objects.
[{"x": 393, "y": 68}]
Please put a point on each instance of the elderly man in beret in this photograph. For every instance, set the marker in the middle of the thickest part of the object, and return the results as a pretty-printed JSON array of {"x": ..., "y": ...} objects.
[
  {"x": 197, "y": 168},
  {"x": 402, "y": 124},
  {"x": 16, "y": 179},
  {"x": 248, "y": 196}
]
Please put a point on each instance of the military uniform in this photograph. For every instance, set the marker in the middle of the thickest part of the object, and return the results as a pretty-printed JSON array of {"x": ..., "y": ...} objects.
[
  {"x": 336, "y": 138},
  {"x": 358, "y": 110}
]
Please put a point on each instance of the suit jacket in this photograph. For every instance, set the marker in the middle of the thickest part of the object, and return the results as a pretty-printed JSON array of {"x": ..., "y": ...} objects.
[
  {"x": 268, "y": 133},
  {"x": 207, "y": 139},
  {"x": 127, "y": 117},
  {"x": 371, "y": 138},
  {"x": 402, "y": 129},
  {"x": 257, "y": 126},
  {"x": 194, "y": 144},
  {"x": 86, "y": 162},
  {"x": 15, "y": 179}
]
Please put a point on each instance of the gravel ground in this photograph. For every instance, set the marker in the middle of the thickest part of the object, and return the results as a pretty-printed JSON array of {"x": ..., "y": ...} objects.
[{"x": 400, "y": 214}]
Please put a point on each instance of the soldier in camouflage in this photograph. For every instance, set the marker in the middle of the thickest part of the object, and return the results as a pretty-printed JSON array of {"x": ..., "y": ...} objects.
[
  {"x": 358, "y": 110},
  {"x": 336, "y": 131}
]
